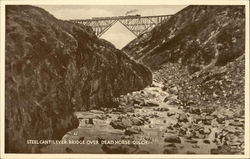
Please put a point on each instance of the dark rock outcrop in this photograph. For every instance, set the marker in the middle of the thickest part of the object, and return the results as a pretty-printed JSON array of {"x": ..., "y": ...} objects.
[{"x": 54, "y": 67}]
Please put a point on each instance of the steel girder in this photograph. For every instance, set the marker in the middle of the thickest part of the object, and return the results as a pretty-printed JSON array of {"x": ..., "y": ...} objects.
[{"x": 136, "y": 24}]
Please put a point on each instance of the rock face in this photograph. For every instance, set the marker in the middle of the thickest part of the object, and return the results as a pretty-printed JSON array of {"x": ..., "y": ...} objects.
[
  {"x": 197, "y": 37},
  {"x": 54, "y": 67},
  {"x": 199, "y": 51}
]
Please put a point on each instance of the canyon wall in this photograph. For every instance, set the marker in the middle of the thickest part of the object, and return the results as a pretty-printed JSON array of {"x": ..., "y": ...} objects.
[{"x": 53, "y": 68}]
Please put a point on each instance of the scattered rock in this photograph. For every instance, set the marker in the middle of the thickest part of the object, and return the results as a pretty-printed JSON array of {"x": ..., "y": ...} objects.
[
  {"x": 170, "y": 145},
  {"x": 137, "y": 106},
  {"x": 205, "y": 130},
  {"x": 238, "y": 124},
  {"x": 173, "y": 102},
  {"x": 170, "y": 151},
  {"x": 170, "y": 114},
  {"x": 173, "y": 90},
  {"x": 161, "y": 109},
  {"x": 195, "y": 146},
  {"x": 206, "y": 141},
  {"x": 139, "y": 102},
  {"x": 214, "y": 151},
  {"x": 182, "y": 118},
  {"x": 220, "y": 119},
  {"x": 129, "y": 109},
  {"x": 151, "y": 104},
  {"x": 171, "y": 131},
  {"x": 195, "y": 111},
  {"x": 137, "y": 121},
  {"x": 80, "y": 118},
  {"x": 121, "y": 124},
  {"x": 90, "y": 121},
  {"x": 190, "y": 152},
  {"x": 172, "y": 139},
  {"x": 68, "y": 150},
  {"x": 97, "y": 111},
  {"x": 81, "y": 139},
  {"x": 166, "y": 99},
  {"x": 102, "y": 117},
  {"x": 207, "y": 122},
  {"x": 132, "y": 130},
  {"x": 191, "y": 141}
]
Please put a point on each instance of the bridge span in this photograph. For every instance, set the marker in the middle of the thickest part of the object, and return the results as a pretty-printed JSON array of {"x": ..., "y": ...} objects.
[{"x": 137, "y": 24}]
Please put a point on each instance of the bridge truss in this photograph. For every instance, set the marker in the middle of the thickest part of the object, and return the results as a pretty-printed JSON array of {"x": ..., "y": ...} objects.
[{"x": 134, "y": 23}]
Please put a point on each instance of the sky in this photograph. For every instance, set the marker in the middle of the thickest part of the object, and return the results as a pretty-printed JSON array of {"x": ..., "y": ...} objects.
[{"x": 117, "y": 34}]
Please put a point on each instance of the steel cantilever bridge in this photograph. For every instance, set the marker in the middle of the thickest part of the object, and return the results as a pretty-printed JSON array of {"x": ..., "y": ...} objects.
[{"x": 137, "y": 24}]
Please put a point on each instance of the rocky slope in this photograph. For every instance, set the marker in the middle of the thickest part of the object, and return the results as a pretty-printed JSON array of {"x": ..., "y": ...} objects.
[
  {"x": 147, "y": 123},
  {"x": 199, "y": 52},
  {"x": 53, "y": 68},
  {"x": 196, "y": 37},
  {"x": 199, "y": 56}
]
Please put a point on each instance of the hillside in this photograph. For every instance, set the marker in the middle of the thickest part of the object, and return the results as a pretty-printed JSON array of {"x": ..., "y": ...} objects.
[
  {"x": 196, "y": 37},
  {"x": 199, "y": 57},
  {"x": 200, "y": 52},
  {"x": 54, "y": 68}
]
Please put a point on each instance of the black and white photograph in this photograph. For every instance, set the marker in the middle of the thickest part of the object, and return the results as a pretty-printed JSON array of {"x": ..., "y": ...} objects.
[{"x": 139, "y": 79}]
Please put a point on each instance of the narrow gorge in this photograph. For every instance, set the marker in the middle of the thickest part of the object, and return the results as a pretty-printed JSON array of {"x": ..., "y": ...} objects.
[{"x": 177, "y": 89}]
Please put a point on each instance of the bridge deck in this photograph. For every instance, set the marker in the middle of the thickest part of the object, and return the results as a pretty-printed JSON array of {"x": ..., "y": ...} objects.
[{"x": 137, "y": 24}]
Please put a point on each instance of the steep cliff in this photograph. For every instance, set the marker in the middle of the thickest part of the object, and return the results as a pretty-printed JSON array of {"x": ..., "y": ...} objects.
[
  {"x": 196, "y": 37},
  {"x": 198, "y": 52},
  {"x": 54, "y": 67}
]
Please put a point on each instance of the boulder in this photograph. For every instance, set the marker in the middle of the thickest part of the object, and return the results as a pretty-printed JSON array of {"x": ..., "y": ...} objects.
[
  {"x": 81, "y": 138},
  {"x": 151, "y": 104},
  {"x": 220, "y": 119},
  {"x": 207, "y": 122},
  {"x": 206, "y": 141},
  {"x": 139, "y": 101},
  {"x": 129, "y": 109},
  {"x": 182, "y": 118},
  {"x": 170, "y": 145},
  {"x": 68, "y": 150},
  {"x": 196, "y": 146},
  {"x": 90, "y": 121},
  {"x": 97, "y": 111},
  {"x": 173, "y": 90},
  {"x": 161, "y": 109},
  {"x": 192, "y": 141},
  {"x": 121, "y": 124},
  {"x": 205, "y": 130},
  {"x": 137, "y": 121},
  {"x": 137, "y": 106},
  {"x": 132, "y": 130},
  {"x": 238, "y": 124},
  {"x": 170, "y": 114},
  {"x": 172, "y": 139},
  {"x": 172, "y": 150},
  {"x": 195, "y": 111}
]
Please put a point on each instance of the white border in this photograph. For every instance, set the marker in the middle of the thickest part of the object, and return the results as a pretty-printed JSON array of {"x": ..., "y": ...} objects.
[{"x": 121, "y": 2}]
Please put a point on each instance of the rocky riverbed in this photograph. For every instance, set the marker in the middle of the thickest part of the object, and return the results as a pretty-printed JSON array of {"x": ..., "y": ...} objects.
[{"x": 150, "y": 121}]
